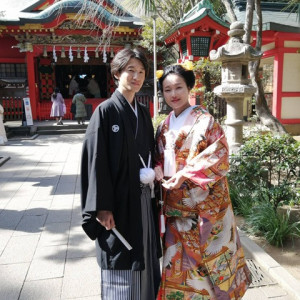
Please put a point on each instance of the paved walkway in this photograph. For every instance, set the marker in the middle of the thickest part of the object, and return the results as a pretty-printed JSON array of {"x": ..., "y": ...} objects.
[{"x": 44, "y": 253}]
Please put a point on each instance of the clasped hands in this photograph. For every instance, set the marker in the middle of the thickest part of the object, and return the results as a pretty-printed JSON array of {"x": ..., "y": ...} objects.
[
  {"x": 106, "y": 218},
  {"x": 174, "y": 182}
]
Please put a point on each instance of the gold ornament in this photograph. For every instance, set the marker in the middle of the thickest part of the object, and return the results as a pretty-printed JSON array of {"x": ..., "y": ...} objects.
[
  {"x": 188, "y": 65},
  {"x": 159, "y": 73}
]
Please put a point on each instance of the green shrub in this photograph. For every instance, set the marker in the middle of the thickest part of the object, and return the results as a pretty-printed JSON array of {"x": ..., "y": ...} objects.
[
  {"x": 264, "y": 175},
  {"x": 157, "y": 120},
  {"x": 242, "y": 202},
  {"x": 267, "y": 167},
  {"x": 275, "y": 227}
]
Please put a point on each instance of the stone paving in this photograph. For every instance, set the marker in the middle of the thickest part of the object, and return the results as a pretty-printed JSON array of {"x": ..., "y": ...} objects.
[{"x": 44, "y": 253}]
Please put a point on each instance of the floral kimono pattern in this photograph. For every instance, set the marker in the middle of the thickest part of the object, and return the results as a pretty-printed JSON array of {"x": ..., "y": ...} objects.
[{"x": 203, "y": 258}]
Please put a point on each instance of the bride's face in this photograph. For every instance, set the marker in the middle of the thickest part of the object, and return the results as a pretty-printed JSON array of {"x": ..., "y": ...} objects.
[{"x": 176, "y": 93}]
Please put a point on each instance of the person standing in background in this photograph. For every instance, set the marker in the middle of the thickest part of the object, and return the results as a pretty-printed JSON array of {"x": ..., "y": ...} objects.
[
  {"x": 93, "y": 88},
  {"x": 73, "y": 86},
  {"x": 3, "y": 138},
  {"x": 79, "y": 101},
  {"x": 57, "y": 109}
]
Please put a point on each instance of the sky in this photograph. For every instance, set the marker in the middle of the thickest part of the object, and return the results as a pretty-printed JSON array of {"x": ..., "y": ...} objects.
[{"x": 18, "y": 5}]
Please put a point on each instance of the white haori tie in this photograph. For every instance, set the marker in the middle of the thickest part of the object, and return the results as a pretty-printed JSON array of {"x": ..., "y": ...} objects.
[{"x": 147, "y": 174}]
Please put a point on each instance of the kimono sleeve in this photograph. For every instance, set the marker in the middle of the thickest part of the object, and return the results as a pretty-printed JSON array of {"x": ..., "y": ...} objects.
[
  {"x": 210, "y": 165},
  {"x": 96, "y": 184}
]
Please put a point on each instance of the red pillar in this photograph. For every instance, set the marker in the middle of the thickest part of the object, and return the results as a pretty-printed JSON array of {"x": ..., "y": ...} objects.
[
  {"x": 277, "y": 79},
  {"x": 189, "y": 45},
  {"x": 31, "y": 83}
]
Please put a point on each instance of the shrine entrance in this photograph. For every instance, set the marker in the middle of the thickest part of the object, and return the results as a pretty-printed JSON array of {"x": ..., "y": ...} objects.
[{"x": 65, "y": 75}]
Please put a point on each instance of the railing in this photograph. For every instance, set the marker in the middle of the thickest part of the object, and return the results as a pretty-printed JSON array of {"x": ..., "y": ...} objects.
[
  {"x": 12, "y": 108},
  {"x": 147, "y": 101},
  {"x": 219, "y": 109}
]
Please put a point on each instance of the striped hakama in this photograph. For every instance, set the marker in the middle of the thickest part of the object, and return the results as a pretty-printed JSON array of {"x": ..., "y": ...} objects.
[{"x": 136, "y": 285}]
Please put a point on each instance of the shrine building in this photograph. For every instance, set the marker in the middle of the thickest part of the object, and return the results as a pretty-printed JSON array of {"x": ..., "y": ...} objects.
[
  {"x": 201, "y": 31},
  {"x": 50, "y": 44}
]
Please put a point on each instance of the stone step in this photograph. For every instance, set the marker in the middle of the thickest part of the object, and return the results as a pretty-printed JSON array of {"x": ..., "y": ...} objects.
[
  {"x": 60, "y": 127},
  {"x": 27, "y": 131},
  {"x": 61, "y": 131}
]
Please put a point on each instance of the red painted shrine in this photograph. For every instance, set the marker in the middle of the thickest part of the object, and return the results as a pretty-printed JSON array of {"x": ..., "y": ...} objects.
[{"x": 47, "y": 44}]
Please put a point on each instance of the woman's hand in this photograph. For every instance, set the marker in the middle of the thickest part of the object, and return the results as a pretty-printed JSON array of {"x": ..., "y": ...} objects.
[
  {"x": 159, "y": 174},
  {"x": 175, "y": 181},
  {"x": 106, "y": 219}
]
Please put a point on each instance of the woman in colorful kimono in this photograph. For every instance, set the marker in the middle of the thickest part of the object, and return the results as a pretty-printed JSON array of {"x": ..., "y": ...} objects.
[{"x": 203, "y": 258}]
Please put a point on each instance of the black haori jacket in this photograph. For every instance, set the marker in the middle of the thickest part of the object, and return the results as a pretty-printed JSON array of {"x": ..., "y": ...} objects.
[{"x": 110, "y": 180}]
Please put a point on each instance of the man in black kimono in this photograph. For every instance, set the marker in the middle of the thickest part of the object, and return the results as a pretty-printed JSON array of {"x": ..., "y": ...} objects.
[{"x": 119, "y": 137}]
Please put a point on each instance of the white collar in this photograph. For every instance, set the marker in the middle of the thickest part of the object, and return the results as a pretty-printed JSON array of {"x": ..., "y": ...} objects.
[
  {"x": 176, "y": 123},
  {"x": 134, "y": 109}
]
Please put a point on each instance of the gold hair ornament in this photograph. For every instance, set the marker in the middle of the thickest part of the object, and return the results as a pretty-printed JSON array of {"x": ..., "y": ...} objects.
[
  {"x": 187, "y": 65},
  {"x": 159, "y": 74}
]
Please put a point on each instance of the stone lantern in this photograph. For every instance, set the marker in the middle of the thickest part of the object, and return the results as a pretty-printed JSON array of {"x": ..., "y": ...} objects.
[{"x": 235, "y": 87}]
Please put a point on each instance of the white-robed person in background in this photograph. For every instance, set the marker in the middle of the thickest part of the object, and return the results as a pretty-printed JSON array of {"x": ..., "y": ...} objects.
[{"x": 3, "y": 138}]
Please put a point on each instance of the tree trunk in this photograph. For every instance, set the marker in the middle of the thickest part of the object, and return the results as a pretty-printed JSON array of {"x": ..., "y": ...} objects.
[
  {"x": 248, "y": 21},
  {"x": 229, "y": 9},
  {"x": 261, "y": 105}
]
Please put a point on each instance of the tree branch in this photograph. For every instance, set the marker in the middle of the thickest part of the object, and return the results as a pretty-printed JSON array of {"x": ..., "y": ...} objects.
[
  {"x": 261, "y": 105},
  {"x": 248, "y": 21},
  {"x": 230, "y": 11}
]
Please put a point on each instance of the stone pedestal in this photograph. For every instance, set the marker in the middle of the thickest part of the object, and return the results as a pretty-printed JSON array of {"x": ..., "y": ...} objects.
[{"x": 235, "y": 86}]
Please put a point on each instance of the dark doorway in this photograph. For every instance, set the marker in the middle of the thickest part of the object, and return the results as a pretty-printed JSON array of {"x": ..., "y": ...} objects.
[{"x": 82, "y": 74}]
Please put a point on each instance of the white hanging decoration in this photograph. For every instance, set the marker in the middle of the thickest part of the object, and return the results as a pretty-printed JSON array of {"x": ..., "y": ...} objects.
[
  {"x": 54, "y": 54},
  {"x": 86, "y": 56},
  {"x": 147, "y": 174},
  {"x": 104, "y": 56},
  {"x": 71, "y": 57}
]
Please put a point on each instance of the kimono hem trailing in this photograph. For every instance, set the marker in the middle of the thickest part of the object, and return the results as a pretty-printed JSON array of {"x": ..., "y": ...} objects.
[{"x": 203, "y": 256}]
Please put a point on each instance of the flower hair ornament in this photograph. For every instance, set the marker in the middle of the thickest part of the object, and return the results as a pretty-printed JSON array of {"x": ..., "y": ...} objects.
[
  {"x": 159, "y": 74},
  {"x": 187, "y": 65}
]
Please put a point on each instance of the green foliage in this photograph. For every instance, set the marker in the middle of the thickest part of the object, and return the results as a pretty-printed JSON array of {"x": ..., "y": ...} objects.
[
  {"x": 156, "y": 121},
  {"x": 267, "y": 167},
  {"x": 265, "y": 175},
  {"x": 275, "y": 227},
  {"x": 208, "y": 75},
  {"x": 209, "y": 72},
  {"x": 146, "y": 42},
  {"x": 241, "y": 201}
]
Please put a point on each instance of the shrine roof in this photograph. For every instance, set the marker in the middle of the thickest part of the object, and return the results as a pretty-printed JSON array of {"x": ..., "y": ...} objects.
[
  {"x": 275, "y": 16},
  {"x": 197, "y": 13},
  {"x": 29, "y": 14}
]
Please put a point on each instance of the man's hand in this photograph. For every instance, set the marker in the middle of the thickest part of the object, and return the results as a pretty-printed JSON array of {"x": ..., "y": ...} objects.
[{"x": 106, "y": 219}]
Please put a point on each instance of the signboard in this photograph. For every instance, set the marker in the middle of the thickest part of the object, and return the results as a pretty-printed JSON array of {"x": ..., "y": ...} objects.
[{"x": 28, "y": 113}]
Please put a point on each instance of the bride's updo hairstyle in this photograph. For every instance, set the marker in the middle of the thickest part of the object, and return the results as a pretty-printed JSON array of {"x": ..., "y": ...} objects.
[{"x": 187, "y": 75}]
